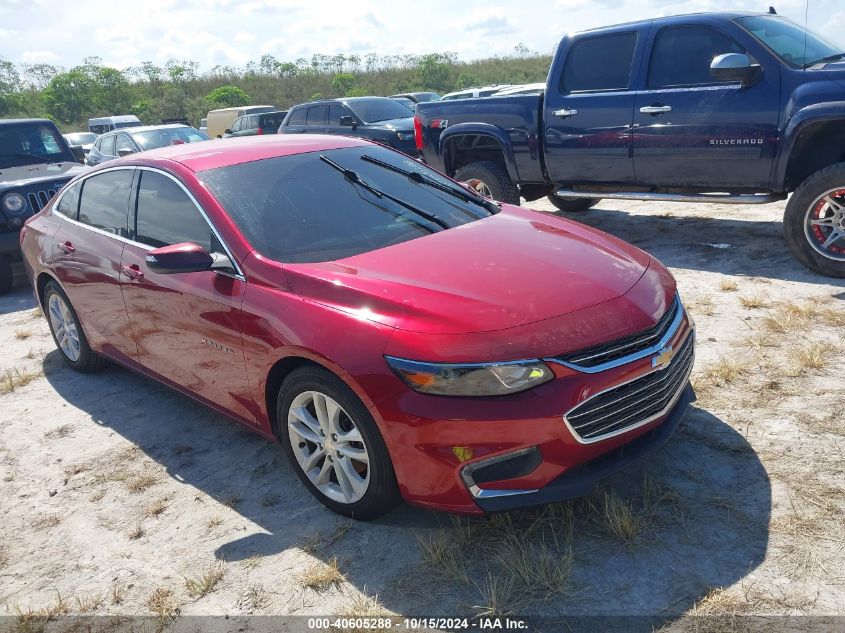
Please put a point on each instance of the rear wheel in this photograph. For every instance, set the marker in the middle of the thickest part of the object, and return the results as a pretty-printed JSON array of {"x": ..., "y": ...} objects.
[
  {"x": 334, "y": 444},
  {"x": 490, "y": 180},
  {"x": 5, "y": 274},
  {"x": 67, "y": 331},
  {"x": 814, "y": 222},
  {"x": 573, "y": 205}
]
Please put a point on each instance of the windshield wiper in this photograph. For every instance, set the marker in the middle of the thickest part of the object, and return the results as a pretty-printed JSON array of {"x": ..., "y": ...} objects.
[
  {"x": 829, "y": 58},
  {"x": 354, "y": 177},
  {"x": 422, "y": 179}
]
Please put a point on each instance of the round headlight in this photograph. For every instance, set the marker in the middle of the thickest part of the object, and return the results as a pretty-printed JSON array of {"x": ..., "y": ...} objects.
[{"x": 13, "y": 202}]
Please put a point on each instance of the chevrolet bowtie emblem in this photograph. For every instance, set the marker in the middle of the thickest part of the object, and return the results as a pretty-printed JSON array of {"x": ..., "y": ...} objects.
[{"x": 663, "y": 358}]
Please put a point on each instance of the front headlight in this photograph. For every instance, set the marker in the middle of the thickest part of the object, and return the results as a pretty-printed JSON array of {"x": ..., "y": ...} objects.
[
  {"x": 13, "y": 202},
  {"x": 405, "y": 136},
  {"x": 471, "y": 379}
]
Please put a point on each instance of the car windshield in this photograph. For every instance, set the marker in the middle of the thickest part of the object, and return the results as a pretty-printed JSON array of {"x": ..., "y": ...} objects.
[
  {"x": 301, "y": 208},
  {"x": 791, "y": 42},
  {"x": 29, "y": 143},
  {"x": 374, "y": 110},
  {"x": 152, "y": 139},
  {"x": 81, "y": 138}
]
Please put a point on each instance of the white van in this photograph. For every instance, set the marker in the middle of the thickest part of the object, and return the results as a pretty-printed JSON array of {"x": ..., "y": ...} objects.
[{"x": 104, "y": 124}]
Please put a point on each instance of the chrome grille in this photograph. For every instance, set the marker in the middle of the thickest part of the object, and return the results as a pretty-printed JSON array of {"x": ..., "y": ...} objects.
[
  {"x": 627, "y": 346},
  {"x": 634, "y": 403},
  {"x": 39, "y": 199}
]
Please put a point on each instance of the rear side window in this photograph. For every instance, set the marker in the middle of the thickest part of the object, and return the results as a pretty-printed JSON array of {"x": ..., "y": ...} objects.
[
  {"x": 107, "y": 146},
  {"x": 317, "y": 115},
  {"x": 297, "y": 117},
  {"x": 599, "y": 63},
  {"x": 105, "y": 201},
  {"x": 166, "y": 215},
  {"x": 681, "y": 56},
  {"x": 68, "y": 205}
]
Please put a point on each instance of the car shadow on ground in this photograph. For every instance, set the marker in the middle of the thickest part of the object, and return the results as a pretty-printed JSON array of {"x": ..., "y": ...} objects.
[
  {"x": 19, "y": 298},
  {"x": 702, "y": 504},
  {"x": 731, "y": 246}
]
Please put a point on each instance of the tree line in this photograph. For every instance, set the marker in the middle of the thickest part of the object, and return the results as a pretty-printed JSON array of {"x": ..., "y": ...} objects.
[{"x": 178, "y": 89}]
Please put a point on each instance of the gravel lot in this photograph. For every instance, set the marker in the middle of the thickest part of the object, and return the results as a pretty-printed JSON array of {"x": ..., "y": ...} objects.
[{"x": 121, "y": 497}]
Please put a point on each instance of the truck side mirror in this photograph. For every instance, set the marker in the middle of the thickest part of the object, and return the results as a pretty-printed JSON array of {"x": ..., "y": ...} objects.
[
  {"x": 735, "y": 67},
  {"x": 78, "y": 153},
  {"x": 348, "y": 121}
]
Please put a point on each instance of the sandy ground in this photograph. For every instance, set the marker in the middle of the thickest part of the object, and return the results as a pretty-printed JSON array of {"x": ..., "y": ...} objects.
[{"x": 121, "y": 497}]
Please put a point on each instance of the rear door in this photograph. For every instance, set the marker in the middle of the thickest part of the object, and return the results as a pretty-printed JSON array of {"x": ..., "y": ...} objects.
[
  {"x": 296, "y": 122},
  {"x": 187, "y": 326},
  {"x": 694, "y": 131},
  {"x": 589, "y": 108},
  {"x": 316, "y": 119},
  {"x": 87, "y": 250}
]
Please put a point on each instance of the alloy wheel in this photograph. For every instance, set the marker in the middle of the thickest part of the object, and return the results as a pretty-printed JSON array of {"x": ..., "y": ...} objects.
[
  {"x": 64, "y": 327},
  {"x": 328, "y": 447},
  {"x": 479, "y": 187},
  {"x": 824, "y": 224}
]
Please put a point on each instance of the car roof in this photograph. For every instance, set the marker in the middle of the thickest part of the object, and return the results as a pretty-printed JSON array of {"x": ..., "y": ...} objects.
[
  {"x": 724, "y": 15},
  {"x": 145, "y": 128},
  {"x": 205, "y": 155},
  {"x": 18, "y": 121}
]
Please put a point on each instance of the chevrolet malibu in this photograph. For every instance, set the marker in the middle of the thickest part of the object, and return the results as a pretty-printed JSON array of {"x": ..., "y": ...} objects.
[{"x": 400, "y": 336}]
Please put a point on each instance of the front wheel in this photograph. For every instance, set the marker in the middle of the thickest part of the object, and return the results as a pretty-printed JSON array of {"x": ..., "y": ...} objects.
[
  {"x": 490, "y": 180},
  {"x": 814, "y": 222},
  {"x": 334, "y": 444},
  {"x": 573, "y": 205}
]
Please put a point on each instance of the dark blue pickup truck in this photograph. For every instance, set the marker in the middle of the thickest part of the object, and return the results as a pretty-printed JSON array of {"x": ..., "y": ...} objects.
[{"x": 723, "y": 107}]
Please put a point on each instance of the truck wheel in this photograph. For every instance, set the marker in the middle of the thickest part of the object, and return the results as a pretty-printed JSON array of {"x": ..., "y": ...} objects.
[
  {"x": 489, "y": 179},
  {"x": 814, "y": 222},
  {"x": 573, "y": 205},
  {"x": 5, "y": 274}
]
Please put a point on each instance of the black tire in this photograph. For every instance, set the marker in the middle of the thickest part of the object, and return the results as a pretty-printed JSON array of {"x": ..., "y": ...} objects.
[
  {"x": 794, "y": 218},
  {"x": 494, "y": 177},
  {"x": 5, "y": 274},
  {"x": 383, "y": 492},
  {"x": 88, "y": 360},
  {"x": 573, "y": 205}
]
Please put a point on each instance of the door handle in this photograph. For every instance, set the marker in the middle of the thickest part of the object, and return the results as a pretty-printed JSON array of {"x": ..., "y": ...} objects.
[
  {"x": 66, "y": 247},
  {"x": 133, "y": 272},
  {"x": 565, "y": 113},
  {"x": 656, "y": 109}
]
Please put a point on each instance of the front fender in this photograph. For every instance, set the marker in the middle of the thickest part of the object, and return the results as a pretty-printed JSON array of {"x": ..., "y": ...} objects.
[
  {"x": 800, "y": 123},
  {"x": 451, "y": 134}
]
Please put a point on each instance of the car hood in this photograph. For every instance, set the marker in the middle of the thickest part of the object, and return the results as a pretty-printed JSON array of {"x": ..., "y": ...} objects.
[
  {"x": 507, "y": 270},
  {"x": 29, "y": 174},
  {"x": 396, "y": 125}
]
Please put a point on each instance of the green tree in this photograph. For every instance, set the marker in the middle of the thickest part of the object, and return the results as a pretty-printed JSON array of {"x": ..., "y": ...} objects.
[
  {"x": 342, "y": 83},
  {"x": 70, "y": 95},
  {"x": 433, "y": 71},
  {"x": 467, "y": 80},
  {"x": 228, "y": 97}
]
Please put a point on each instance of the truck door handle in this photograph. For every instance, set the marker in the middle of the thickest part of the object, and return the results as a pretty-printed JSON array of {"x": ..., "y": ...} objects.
[
  {"x": 133, "y": 272},
  {"x": 656, "y": 109},
  {"x": 66, "y": 247},
  {"x": 565, "y": 113}
]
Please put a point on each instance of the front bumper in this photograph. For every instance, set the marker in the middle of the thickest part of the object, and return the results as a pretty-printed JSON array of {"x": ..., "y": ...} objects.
[
  {"x": 10, "y": 243},
  {"x": 578, "y": 481}
]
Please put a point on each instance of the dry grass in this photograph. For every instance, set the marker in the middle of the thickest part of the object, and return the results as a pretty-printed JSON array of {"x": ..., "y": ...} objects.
[
  {"x": 59, "y": 432},
  {"x": 204, "y": 582},
  {"x": 363, "y": 606},
  {"x": 619, "y": 518},
  {"x": 157, "y": 507},
  {"x": 444, "y": 556},
  {"x": 118, "y": 592},
  {"x": 834, "y": 318},
  {"x": 728, "y": 285},
  {"x": 498, "y": 597},
  {"x": 141, "y": 482},
  {"x": 89, "y": 603},
  {"x": 36, "y": 621},
  {"x": 163, "y": 604},
  {"x": 46, "y": 522},
  {"x": 812, "y": 357},
  {"x": 4, "y": 556},
  {"x": 15, "y": 379},
  {"x": 253, "y": 561},
  {"x": 702, "y": 305},
  {"x": 97, "y": 495},
  {"x": 788, "y": 317},
  {"x": 754, "y": 302},
  {"x": 321, "y": 541},
  {"x": 22, "y": 335},
  {"x": 214, "y": 522},
  {"x": 232, "y": 500},
  {"x": 320, "y": 576},
  {"x": 537, "y": 570},
  {"x": 726, "y": 371}
]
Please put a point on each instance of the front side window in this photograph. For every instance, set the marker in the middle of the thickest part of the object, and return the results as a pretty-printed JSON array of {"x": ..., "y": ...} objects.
[
  {"x": 68, "y": 205},
  {"x": 791, "y": 42},
  {"x": 165, "y": 215},
  {"x": 681, "y": 56},
  {"x": 599, "y": 63},
  {"x": 107, "y": 146},
  {"x": 105, "y": 201},
  {"x": 335, "y": 112},
  {"x": 123, "y": 143},
  {"x": 301, "y": 209}
]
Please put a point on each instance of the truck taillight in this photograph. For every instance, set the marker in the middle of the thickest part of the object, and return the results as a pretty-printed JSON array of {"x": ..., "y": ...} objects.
[
  {"x": 418, "y": 133},
  {"x": 260, "y": 130}
]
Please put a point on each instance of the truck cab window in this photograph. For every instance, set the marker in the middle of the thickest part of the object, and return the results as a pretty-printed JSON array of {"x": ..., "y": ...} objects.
[
  {"x": 681, "y": 56},
  {"x": 599, "y": 63}
]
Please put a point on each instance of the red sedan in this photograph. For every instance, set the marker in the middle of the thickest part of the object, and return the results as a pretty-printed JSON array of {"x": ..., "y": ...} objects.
[{"x": 400, "y": 336}]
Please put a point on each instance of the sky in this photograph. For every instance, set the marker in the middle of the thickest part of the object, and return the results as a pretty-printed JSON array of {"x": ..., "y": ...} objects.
[{"x": 233, "y": 32}]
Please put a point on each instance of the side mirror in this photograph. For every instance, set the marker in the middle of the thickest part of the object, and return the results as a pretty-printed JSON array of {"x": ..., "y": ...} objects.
[
  {"x": 227, "y": 131},
  {"x": 78, "y": 153},
  {"x": 347, "y": 121},
  {"x": 179, "y": 258},
  {"x": 125, "y": 151},
  {"x": 735, "y": 67}
]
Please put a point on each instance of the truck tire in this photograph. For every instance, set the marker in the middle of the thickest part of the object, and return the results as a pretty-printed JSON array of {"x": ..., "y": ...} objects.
[
  {"x": 489, "y": 179},
  {"x": 814, "y": 222},
  {"x": 5, "y": 274},
  {"x": 573, "y": 205}
]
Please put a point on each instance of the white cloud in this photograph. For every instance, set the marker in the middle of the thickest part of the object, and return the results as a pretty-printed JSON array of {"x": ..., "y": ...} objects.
[
  {"x": 39, "y": 57},
  {"x": 242, "y": 37}
]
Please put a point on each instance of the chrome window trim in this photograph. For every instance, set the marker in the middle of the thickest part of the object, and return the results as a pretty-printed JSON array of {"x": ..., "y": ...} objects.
[
  {"x": 649, "y": 419},
  {"x": 670, "y": 333},
  {"x": 238, "y": 272}
]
